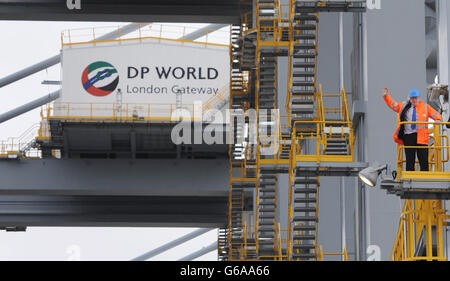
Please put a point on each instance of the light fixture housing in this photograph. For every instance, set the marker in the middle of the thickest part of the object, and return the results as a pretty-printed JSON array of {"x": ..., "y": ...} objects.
[{"x": 369, "y": 175}]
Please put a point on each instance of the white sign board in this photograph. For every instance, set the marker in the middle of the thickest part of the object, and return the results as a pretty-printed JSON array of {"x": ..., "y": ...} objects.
[{"x": 148, "y": 79}]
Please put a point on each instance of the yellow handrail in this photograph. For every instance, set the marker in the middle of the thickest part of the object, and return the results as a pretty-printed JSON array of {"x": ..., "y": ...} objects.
[
  {"x": 159, "y": 32},
  {"x": 436, "y": 155},
  {"x": 321, "y": 254}
]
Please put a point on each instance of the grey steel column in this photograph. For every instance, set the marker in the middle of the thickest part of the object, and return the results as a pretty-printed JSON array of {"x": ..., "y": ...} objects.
[
  {"x": 442, "y": 11},
  {"x": 57, "y": 58},
  {"x": 343, "y": 235},
  {"x": 360, "y": 132},
  {"x": 365, "y": 131},
  {"x": 172, "y": 244},
  {"x": 341, "y": 84},
  {"x": 356, "y": 220},
  {"x": 201, "y": 252},
  {"x": 29, "y": 106}
]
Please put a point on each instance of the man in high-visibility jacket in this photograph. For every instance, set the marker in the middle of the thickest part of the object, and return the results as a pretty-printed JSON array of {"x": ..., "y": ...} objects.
[{"x": 413, "y": 134}]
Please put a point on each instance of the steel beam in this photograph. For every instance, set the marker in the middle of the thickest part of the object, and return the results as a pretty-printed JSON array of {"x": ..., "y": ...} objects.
[
  {"x": 203, "y": 31},
  {"x": 57, "y": 58},
  {"x": 194, "y": 11},
  {"x": 171, "y": 244},
  {"x": 109, "y": 36},
  {"x": 201, "y": 252},
  {"x": 124, "y": 177},
  {"x": 29, "y": 106},
  {"x": 112, "y": 211}
]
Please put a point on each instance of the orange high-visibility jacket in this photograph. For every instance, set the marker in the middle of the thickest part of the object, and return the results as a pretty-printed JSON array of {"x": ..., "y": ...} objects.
[{"x": 424, "y": 111}]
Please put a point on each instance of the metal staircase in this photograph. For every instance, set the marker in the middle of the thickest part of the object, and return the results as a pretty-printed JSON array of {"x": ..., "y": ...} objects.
[
  {"x": 266, "y": 73},
  {"x": 305, "y": 218},
  {"x": 248, "y": 51},
  {"x": 267, "y": 81},
  {"x": 222, "y": 245},
  {"x": 267, "y": 212},
  {"x": 337, "y": 128},
  {"x": 303, "y": 61},
  {"x": 255, "y": 50},
  {"x": 28, "y": 146},
  {"x": 242, "y": 157}
]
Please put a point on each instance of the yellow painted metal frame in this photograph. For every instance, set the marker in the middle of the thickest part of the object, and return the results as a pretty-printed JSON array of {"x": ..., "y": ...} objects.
[
  {"x": 321, "y": 137},
  {"x": 295, "y": 154},
  {"x": 422, "y": 215},
  {"x": 418, "y": 216},
  {"x": 14, "y": 145}
]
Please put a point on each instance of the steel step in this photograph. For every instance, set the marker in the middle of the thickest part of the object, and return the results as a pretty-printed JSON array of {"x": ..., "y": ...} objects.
[
  {"x": 302, "y": 74},
  {"x": 304, "y": 64},
  {"x": 305, "y": 218},
  {"x": 305, "y": 209},
  {"x": 267, "y": 216},
  {"x": 303, "y": 84},
  {"x": 266, "y": 236},
  {"x": 304, "y": 256},
  {"x": 304, "y": 36},
  {"x": 306, "y": 181},
  {"x": 303, "y": 46},
  {"x": 305, "y": 190},
  {"x": 265, "y": 222},
  {"x": 304, "y": 237},
  {"x": 303, "y": 246},
  {"x": 304, "y": 228},
  {"x": 303, "y": 55},
  {"x": 267, "y": 210},
  {"x": 305, "y": 17},
  {"x": 305, "y": 27},
  {"x": 305, "y": 200},
  {"x": 302, "y": 92},
  {"x": 266, "y": 229}
]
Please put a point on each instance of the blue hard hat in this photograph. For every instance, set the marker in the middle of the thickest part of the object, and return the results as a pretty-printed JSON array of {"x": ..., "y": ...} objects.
[{"x": 414, "y": 93}]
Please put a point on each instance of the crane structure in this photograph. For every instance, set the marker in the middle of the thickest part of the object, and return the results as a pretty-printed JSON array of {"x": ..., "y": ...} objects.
[
  {"x": 285, "y": 136},
  {"x": 313, "y": 131}
]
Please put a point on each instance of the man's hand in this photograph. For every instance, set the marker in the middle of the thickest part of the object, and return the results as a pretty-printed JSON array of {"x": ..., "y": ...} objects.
[{"x": 385, "y": 92}]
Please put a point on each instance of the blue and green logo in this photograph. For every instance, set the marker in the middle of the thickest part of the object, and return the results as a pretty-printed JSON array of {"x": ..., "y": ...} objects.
[{"x": 100, "y": 78}]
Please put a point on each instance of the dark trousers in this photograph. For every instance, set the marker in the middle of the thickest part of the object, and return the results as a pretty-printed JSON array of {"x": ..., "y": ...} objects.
[{"x": 422, "y": 153}]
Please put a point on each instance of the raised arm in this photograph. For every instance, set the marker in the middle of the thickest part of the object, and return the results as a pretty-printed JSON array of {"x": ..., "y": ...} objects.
[{"x": 391, "y": 103}]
